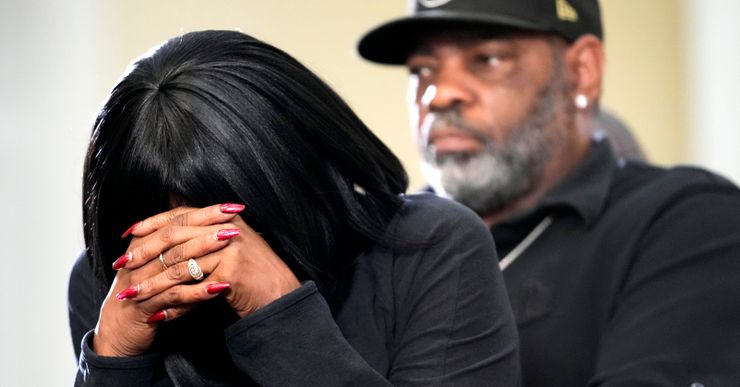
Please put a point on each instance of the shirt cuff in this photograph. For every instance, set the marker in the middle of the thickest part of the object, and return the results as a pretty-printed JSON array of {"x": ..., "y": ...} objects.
[
  {"x": 125, "y": 370},
  {"x": 295, "y": 341},
  {"x": 272, "y": 309}
]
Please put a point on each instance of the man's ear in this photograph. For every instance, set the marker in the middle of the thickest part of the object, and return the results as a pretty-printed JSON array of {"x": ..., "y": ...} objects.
[{"x": 585, "y": 62}]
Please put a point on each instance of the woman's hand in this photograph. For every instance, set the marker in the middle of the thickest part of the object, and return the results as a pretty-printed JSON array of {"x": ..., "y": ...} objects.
[
  {"x": 128, "y": 328},
  {"x": 257, "y": 276},
  {"x": 235, "y": 258}
]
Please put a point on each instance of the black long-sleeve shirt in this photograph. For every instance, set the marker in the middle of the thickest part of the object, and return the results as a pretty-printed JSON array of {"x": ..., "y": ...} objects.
[
  {"x": 433, "y": 315},
  {"x": 636, "y": 282}
]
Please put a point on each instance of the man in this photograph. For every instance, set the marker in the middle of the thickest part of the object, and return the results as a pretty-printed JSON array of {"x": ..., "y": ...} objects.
[{"x": 619, "y": 273}]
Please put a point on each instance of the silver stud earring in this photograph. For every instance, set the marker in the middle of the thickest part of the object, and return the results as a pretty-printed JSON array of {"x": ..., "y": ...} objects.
[{"x": 581, "y": 101}]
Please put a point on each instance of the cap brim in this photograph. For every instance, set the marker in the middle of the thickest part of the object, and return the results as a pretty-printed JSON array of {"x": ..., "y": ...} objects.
[{"x": 392, "y": 42}]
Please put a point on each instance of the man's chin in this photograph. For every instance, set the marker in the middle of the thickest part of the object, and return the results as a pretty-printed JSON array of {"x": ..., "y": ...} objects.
[
  {"x": 454, "y": 173},
  {"x": 479, "y": 183}
]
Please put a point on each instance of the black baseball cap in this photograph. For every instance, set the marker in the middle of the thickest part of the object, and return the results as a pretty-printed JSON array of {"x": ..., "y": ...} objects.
[{"x": 392, "y": 42}]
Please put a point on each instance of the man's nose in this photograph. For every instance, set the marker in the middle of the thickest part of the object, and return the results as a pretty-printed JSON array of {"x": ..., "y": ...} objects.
[{"x": 451, "y": 90}]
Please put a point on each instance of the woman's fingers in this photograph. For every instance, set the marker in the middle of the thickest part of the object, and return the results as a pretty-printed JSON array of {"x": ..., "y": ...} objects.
[
  {"x": 198, "y": 247},
  {"x": 152, "y": 223},
  {"x": 180, "y": 299},
  {"x": 167, "y": 280},
  {"x": 178, "y": 243},
  {"x": 185, "y": 216}
]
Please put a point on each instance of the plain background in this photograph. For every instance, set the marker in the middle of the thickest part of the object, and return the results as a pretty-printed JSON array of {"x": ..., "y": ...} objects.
[{"x": 672, "y": 75}]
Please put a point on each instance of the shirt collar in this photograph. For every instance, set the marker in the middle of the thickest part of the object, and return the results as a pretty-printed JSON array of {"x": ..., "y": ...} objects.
[
  {"x": 583, "y": 191},
  {"x": 586, "y": 188}
]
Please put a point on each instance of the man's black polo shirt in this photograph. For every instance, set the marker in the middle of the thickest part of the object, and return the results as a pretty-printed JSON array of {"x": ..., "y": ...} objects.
[{"x": 636, "y": 282}]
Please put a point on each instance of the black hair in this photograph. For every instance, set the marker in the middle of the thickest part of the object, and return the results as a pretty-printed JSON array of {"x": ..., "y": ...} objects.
[{"x": 218, "y": 116}]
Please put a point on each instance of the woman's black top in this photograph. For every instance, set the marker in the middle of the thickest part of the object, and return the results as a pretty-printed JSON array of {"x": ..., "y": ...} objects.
[{"x": 431, "y": 315}]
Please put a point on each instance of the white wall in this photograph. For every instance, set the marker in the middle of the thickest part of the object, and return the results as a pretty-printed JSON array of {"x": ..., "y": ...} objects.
[
  {"x": 713, "y": 63},
  {"x": 46, "y": 101}
]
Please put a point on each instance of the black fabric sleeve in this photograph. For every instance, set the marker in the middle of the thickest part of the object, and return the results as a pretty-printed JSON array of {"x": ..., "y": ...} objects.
[
  {"x": 83, "y": 303},
  {"x": 96, "y": 370},
  {"x": 677, "y": 319},
  {"x": 454, "y": 322},
  {"x": 294, "y": 341}
]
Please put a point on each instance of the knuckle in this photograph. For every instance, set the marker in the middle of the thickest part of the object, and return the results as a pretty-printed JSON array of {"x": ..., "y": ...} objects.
[
  {"x": 167, "y": 234},
  {"x": 177, "y": 254},
  {"x": 141, "y": 252},
  {"x": 173, "y": 296},
  {"x": 176, "y": 272},
  {"x": 181, "y": 220},
  {"x": 169, "y": 215},
  {"x": 163, "y": 219}
]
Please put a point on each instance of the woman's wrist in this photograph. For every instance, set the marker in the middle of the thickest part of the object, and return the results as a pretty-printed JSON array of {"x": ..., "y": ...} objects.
[
  {"x": 287, "y": 285},
  {"x": 103, "y": 347}
]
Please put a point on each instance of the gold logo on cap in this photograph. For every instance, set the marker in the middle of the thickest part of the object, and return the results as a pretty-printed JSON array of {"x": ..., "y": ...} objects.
[
  {"x": 433, "y": 3},
  {"x": 565, "y": 11}
]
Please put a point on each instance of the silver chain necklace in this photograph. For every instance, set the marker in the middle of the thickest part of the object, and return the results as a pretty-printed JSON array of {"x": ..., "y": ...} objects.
[{"x": 524, "y": 244}]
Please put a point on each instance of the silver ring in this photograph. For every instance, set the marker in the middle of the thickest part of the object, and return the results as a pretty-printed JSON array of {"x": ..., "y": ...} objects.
[
  {"x": 161, "y": 260},
  {"x": 194, "y": 270},
  {"x": 164, "y": 312}
]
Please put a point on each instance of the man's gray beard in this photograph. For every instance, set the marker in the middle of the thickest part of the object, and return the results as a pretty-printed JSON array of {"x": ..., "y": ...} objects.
[{"x": 488, "y": 181}]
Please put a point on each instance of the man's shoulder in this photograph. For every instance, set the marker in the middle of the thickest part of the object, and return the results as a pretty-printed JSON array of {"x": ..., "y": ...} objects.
[{"x": 650, "y": 183}]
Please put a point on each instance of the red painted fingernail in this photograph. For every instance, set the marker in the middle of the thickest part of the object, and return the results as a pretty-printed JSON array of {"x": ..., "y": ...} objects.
[
  {"x": 129, "y": 292},
  {"x": 130, "y": 230},
  {"x": 217, "y": 287},
  {"x": 232, "y": 208},
  {"x": 122, "y": 261},
  {"x": 228, "y": 233},
  {"x": 157, "y": 317}
]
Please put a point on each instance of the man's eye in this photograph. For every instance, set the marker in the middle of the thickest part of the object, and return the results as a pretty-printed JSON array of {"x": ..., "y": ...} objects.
[
  {"x": 489, "y": 60},
  {"x": 421, "y": 71}
]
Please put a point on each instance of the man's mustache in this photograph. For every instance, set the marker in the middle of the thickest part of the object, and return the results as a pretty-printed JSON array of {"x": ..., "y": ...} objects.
[{"x": 452, "y": 119}]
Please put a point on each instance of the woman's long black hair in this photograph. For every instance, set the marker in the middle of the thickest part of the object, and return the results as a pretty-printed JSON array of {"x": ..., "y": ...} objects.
[{"x": 218, "y": 116}]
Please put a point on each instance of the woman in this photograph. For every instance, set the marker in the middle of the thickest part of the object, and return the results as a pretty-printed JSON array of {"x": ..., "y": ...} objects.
[{"x": 325, "y": 275}]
